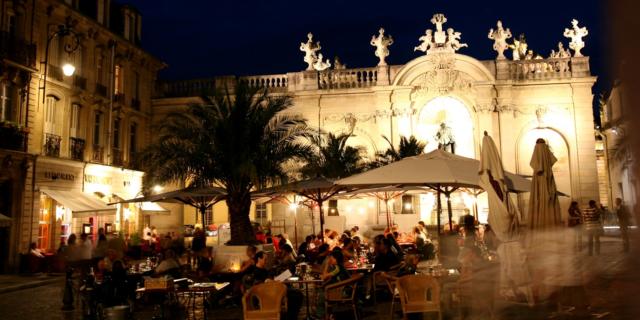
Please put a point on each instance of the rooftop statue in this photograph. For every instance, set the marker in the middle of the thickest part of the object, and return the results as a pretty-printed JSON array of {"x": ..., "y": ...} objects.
[
  {"x": 382, "y": 43},
  {"x": 576, "y": 34},
  {"x": 320, "y": 65},
  {"x": 499, "y": 37},
  {"x": 561, "y": 53},
  {"x": 519, "y": 48},
  {"x": 440, "y": 41},
  {"x": 337, "y": 64},
  {"x": 310, "y": 48}
]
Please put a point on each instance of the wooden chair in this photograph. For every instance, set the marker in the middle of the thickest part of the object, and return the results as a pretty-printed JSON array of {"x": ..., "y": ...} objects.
[
  {"x": 380, "y": 282},
  {"x": 271, "y": 297},
  {"x": 392, "y": 285},
  {"x": 419, "y": 294},
  {"x": 334, "y": 293}
]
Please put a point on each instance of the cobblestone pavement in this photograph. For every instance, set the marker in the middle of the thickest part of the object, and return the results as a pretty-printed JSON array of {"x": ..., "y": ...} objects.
[{"x": 608, "y": 291}]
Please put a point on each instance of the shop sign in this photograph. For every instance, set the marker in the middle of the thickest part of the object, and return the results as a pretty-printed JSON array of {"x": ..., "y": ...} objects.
[
  {"x": 55, "y": 175},
  {"x": 89, "y": 178}
]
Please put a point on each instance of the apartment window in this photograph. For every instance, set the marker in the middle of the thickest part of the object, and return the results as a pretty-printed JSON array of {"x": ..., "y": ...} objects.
[
  {"x": 117, "y": 85},
  {"x": 133, "y": 140},
  {"x": 116, "y": 133},
  {"x": 99, "y": 68},
  {"x": 97, "y": 123},
  {"x": 8, "y": 105},
  {"x": 74, "y": 125},
  {"x": 407, "y": 204},
  {"x": 261, "y": 212},
  {"x": 12, "y": 24},
  {"x": 136, "y": 86},
  {"x": 208, "y": 216},
  {"x": 50, "y": 114}
]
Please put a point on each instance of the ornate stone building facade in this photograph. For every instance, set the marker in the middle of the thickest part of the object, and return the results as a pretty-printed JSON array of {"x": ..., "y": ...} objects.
[
  {"x": 515, "y": 100},
  {"x": 81, "y": 131}
]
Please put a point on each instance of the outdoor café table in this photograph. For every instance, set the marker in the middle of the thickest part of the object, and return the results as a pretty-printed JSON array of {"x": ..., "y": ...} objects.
[
  {"x": 305, "y": 283},
  {"x": 201, "y": 288}
]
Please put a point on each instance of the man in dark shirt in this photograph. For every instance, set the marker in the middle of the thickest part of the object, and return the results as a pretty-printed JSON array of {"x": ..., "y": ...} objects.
[{"x": 385, "y": 258}]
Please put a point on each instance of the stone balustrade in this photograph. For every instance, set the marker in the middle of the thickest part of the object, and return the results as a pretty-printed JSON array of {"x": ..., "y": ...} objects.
[
  {"x": 540, "y": 69},
  {"x": 348, "y": 78},
  {"x": 273, "y": 82}
]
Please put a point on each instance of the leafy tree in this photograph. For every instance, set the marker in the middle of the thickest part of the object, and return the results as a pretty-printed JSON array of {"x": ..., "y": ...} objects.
[
  {"x": 332, "y": 157},
  {"x": 407, "y": 147},
  {"x": 238, "y": 141}
]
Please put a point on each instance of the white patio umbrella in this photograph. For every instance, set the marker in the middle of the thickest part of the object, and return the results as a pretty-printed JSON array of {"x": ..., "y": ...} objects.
[
  {"x": 544, "y": 207},
  {"x": 384, "y": 194},
  {"x": 439, "y": 170},
  {"x": 503, "y": 219}
]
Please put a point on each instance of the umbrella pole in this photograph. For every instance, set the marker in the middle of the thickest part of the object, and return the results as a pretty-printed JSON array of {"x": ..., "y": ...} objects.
[
  {"x": 203, "y": 213},
  {"x": 386, "y": 205},
  {"x": 439, "y": 209},
  {"x": 450, "y": 213},
  {"x": 321, "y": 220}
]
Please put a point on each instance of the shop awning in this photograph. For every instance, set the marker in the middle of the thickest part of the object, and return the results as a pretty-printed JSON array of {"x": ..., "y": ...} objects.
[
  {"x": 80, "y": 203},
  {"x": 5, "y": 221},
  {"x": 147, "y": 207}
]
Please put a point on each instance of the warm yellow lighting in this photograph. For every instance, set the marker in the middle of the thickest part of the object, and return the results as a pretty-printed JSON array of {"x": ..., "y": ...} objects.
[
  {"x": 371, "y": 204},
  {"x": 293, "y": 206},
  {"x": 333, "y": 210},
  {"x": 349, "y": 209},
  {"x": 158, "y": 188},
  {"x": 59, "y": 212},
  {"x": 361, "y": 210},
  {"x": 407, "y": 206},
  {"x": 126, "y": 213},
  {"x": 68, "y": 69}
]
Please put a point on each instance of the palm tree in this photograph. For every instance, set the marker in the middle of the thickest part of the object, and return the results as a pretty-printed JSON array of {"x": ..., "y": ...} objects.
[
  {"x": 238, "y": 141},
  {"x": 333, "y": 158},
  {"x": 408, "y": 147}
]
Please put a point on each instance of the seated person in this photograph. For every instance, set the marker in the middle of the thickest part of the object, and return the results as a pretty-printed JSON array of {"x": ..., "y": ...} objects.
[
  {"x": 248, "y": 264},
  {"x": 385, "y": 258},
  {"x": 302, "y": 250},
  {"x": 106, "y": 264},
  {"x": 34, "y": 251},
  {"x": 257, "y": 274},
  {"x": 286, "y": 259},
  {"x": 409, "y": 266},
  {"x": 333, "y": 272},
  {"x": 323, "y": 252},
  {"x": 168, "y": 265},
  {"x": 348, "y": 250}
]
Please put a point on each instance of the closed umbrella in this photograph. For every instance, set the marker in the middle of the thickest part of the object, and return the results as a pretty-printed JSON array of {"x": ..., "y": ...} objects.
[
  {"x": 504, "y": 220},
  {"x": 544, "y": 207}
]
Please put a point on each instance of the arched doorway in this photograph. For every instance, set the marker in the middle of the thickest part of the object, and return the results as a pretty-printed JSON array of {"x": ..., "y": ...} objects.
[
  {"x": 561, "y": 170},
  {"x": 454, "y": 114}
]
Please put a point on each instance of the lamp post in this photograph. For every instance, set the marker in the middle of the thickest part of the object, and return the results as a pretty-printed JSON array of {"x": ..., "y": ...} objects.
[{"x": 64, "y": 30}]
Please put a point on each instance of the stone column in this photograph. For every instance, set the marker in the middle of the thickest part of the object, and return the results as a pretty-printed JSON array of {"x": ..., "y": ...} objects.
[
  {"x": 587, "y": 178},
  {"x": 309, "y": 80},
  {"x": 383, "y": 76},
  {"x": 502, "y": 69}
]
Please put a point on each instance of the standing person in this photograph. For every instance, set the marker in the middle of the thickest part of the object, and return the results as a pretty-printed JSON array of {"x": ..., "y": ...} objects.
[
  {"x": 593, "y": 226},
  {"x": 622, "y": 213},
  {"x": 575, "y": 222}
]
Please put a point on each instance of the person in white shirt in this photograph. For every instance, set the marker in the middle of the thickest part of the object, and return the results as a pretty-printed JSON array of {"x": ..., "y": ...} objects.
[
  {"x": 146, "y": 233},
  {"x": 35, "y": 251},
  {"x": 168, "y": 264},
  {"x": 85, "y": 248}
]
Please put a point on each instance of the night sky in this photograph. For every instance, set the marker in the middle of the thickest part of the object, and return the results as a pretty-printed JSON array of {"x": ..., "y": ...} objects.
[{"x": 220, "y": 37}]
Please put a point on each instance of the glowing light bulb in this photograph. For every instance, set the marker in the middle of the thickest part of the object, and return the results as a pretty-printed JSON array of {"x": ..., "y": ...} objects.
[{"x": 68, "y": 69}]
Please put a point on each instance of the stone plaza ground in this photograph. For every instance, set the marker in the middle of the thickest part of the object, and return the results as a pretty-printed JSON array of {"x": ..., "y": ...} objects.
[{"x": 608, "y": 290}]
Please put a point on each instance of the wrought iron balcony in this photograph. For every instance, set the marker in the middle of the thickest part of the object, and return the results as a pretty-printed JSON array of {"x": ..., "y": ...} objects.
[
  {"x": 76, "y": 148},
  {"x": 101, "y": 90},
  {"x": 135, "y": 104},
  {"x": 52, "y": 145},
  {"x": 97, "y": 154},
  {"x": 13, "y": 136},
  {"x": 119, "y": 98},
  {"x": 80, "y": 82},
  {"x": 17, "y": 50},
  {"x": 55, "y": 72},
  {"x": 117, "y": 157}
]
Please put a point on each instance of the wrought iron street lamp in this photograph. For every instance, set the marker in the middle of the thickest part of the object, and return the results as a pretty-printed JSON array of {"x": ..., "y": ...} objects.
[{"x": 64, "y": 32}]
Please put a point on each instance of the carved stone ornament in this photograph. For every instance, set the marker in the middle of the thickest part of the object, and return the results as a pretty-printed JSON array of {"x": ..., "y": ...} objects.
[
  {"x": 321, "y": 65},
  {"x": 382, "y": 43},
  {"x": 541, "y": 111},
  {"x": 443, "y": 78},
  {"x": 485, "y": 107},
  {"x": 576, "y": 34},
  {"x": 310, "y": 48},
  {"x": 439, "y": 40},
  {"x": 499, "y": 37}
]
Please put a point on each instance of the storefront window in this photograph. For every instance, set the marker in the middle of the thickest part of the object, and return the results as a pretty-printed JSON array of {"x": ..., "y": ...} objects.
[{"x": 44, "y": 222}]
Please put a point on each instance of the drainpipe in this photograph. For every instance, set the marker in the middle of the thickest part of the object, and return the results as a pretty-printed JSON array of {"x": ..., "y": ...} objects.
[
  {"x": 33, "y": 196},
  {"x": 112, "y": 44}
]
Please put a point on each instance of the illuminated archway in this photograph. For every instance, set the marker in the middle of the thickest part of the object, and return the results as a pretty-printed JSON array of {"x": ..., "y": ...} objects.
[{"x": 456, "y": 115}]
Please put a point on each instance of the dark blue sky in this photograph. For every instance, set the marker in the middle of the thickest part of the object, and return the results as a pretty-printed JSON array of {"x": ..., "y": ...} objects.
[{"x": 219, "y": 37}]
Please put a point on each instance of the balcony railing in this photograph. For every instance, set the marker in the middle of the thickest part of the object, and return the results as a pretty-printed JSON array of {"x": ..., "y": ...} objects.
[
  {"x": 119, "y": 98},
  {"x": 273, "y": 82},
  {"x": 13, "y": 136},
  {"x": 348, "y": 78},
  {"x": 116, "y": 157},
  {"x": 135, "y": 104},
  {"x": 98, "y": 153},
  {"x": 52, "y": 145},
  {"x": 55, "y": 72},
  {"x": 541, "y": 69},
  {"x": 101, "y": 90},
  {"x": 17, "y": 50},
  {"x": 80, "y": 82},
  {"x": 76, "y": 148}
]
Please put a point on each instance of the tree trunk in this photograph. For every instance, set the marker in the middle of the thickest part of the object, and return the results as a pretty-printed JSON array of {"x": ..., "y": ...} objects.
[{"x": 241, "y": 229}]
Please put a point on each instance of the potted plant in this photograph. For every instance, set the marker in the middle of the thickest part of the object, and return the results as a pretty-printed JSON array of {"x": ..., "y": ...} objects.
[{"x": 13, "y": 135}]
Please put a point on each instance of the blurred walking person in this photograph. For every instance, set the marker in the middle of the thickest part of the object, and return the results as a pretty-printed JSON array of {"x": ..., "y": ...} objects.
[
  {"x": 592, "y": 217},
  {"x": 622, "y": 212},
  {"x": 575, "y": 223}
]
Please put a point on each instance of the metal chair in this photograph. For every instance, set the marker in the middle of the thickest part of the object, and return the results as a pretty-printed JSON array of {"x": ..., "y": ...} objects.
[
  {"x": 334, "y": 293},
  {"x": 419, "y": 294},
  {"x": 392, "y": 285},
  {"x": 271, "y": 297}
]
